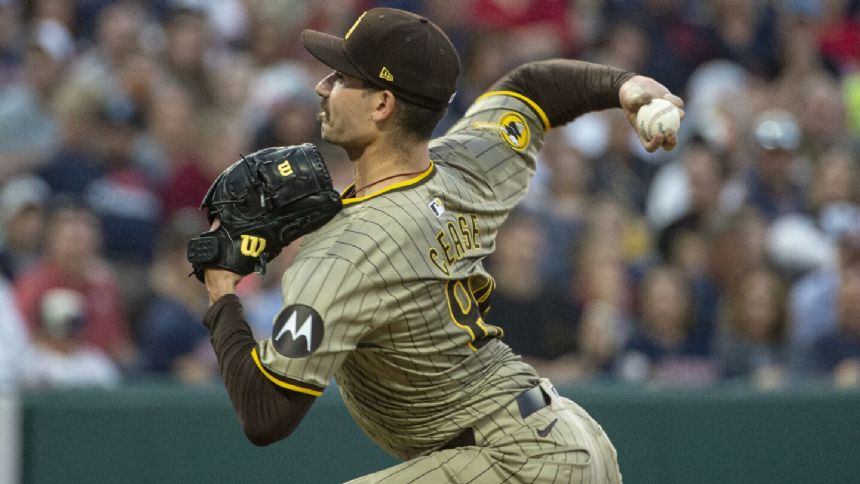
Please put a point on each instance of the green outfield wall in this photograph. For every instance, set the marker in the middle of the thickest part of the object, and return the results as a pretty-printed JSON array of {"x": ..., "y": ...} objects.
[{"x": 165, "y": 433}]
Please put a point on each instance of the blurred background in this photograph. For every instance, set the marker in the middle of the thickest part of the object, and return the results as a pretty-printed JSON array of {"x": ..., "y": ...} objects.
[{"x": 723, "y": 275}]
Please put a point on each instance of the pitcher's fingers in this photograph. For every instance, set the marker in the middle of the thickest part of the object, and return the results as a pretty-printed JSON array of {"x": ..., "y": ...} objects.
[
  {"x": 670, "y": 140},
  {"x": 677, "y": 101},
  {"x": 651, "y": 145}
]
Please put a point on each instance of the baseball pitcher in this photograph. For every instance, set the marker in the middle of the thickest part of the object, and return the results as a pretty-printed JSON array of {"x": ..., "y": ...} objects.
[{"x": 389, "y": 297}]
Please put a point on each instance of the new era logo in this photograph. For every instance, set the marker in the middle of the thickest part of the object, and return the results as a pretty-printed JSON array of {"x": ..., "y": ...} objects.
[{"x": 386, "y": 74}]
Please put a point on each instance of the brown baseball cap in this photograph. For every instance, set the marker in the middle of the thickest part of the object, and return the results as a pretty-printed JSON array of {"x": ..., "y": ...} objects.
[{"x": 395, "y": 50}]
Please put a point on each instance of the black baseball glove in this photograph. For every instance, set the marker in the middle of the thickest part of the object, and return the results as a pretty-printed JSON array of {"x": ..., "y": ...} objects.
[{"x": 264, "y": 201}]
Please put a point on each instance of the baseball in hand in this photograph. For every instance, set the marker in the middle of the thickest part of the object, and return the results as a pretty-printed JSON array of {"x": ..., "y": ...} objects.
[{"x": 657, "y": 117}]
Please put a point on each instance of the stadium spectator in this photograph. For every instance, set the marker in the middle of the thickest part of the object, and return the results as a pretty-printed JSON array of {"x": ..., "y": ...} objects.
[
  {"x": 802, "y": 243},
  {"x": 814, "y": 299},
  {"x": 751, "y": 344},
  {"x": 771, "y": 186},
  {"x": 687, "y": 244},
  {"x": 621, "y": 231},
  {"x": 119, "y": 34},
  {"x": 561, "y": 195},
  {"x": 835, "y": 191},
  {"x": 274, "y": 27},
  {"x": 63, "y": 13},
  {"x": 663, "y": 349},
  {"x": 14, "y": 339},
  {"x": 173, "y": 138},
  {"x": 59, "y": 356},
  {"x": 28, "y": 129},
  {"x": 22, "y": 223},
  {"x": 677, "y": 43},
  {"x": 599, "y": 340},
  {"x": 746, "y": 34},
  {"x": 218, "y": 144},
  {"x": 692, "y": 191},
  {"x": 607, "y": 263},
  {"x": 624, "y": 170},
  {"x": 289, "y": 121},
  {"x": 72, "y": 259},
  {"x": 171, "y": 339},
  {"x": 76, "y": 160},
  {"x": 625, "y": 46},
  {"x": 537, "y": 323},
  {"x": 141, "y": 79},
  {"x": 539, "y": 28},
  {"x": 122, "y": 195},
  {"x": 821, "y": 114},
  {"x": 12, "y": 34},
  {"x": 690, "y": 185},
  {"x": 602, "y": 297},
  {"x": 739, "y": 245},
  {"x": 838, "y": 353},
  {"x": 231, "y": 78},
  {"x": 186, "y": 45},
  {"x": 485, "y": 61},
  {"x": 839, "y": 34}
]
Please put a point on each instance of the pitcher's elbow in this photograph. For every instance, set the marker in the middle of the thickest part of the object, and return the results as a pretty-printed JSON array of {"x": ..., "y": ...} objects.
[{"x": 262, "y": 435}]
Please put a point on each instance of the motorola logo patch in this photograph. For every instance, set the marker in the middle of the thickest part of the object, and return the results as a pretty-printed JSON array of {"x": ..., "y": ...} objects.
[{"x": 298, "y": 331}]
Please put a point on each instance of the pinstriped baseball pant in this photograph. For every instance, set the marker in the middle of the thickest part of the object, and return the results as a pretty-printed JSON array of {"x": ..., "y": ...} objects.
[{"x": 512, "y": 449}]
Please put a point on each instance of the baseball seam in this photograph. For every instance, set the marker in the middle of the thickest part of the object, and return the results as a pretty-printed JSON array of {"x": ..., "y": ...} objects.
[{"x": 655, "y": 118}]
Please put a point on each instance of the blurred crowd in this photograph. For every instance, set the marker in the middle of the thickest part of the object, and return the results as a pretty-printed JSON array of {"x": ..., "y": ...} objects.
[{"x": 735, "y": 256}]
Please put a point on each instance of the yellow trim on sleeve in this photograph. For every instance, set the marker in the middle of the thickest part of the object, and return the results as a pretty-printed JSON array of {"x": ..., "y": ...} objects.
[
  {"x": 288, "y": 386},
  {"x": 526, "y": 100},
  {"x": 405, "y": 183}
]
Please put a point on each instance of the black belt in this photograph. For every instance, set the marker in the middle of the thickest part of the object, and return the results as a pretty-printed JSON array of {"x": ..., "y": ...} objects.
[{"x": 529, "y": 402}]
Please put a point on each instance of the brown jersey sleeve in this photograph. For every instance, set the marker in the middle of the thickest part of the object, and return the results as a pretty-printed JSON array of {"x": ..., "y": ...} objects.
[
  {"x": 565, "y": 88},
  {"x": 329, "y": 306},
  {"x": 267, "y": 413}
]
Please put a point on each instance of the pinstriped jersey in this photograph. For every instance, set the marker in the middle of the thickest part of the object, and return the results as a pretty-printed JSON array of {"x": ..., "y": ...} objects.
[{"x": 390, "y": 297}]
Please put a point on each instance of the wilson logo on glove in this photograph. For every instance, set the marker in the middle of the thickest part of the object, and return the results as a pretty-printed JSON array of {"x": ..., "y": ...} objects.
[
  {"x": 278, "y": 194},
  {"x": 285, "y": 169},
  {"x": 252, "y": 246}
]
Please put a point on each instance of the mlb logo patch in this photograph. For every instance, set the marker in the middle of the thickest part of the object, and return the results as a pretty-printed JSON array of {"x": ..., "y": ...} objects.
[{"x": 437, "y": 207}]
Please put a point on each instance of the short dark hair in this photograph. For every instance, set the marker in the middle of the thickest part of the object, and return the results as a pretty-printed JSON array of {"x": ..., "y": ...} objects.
[{"x": 415, "y": 122}]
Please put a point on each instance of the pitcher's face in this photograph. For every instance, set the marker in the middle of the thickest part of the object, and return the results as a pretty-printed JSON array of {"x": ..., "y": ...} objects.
[{"x": 345, "y": 110}]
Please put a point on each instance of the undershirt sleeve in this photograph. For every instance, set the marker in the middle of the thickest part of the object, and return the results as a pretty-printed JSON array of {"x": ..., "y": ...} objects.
[
  {"x": 566, "y": 88},
  {"x": 267, "y": 412}
]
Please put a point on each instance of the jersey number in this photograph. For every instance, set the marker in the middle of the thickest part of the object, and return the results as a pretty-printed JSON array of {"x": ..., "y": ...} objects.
[{"x": 466, "y": 314}]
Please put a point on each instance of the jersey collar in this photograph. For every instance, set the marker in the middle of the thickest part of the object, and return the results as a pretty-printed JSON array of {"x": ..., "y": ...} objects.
[{"x": 349, "y": 199}]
